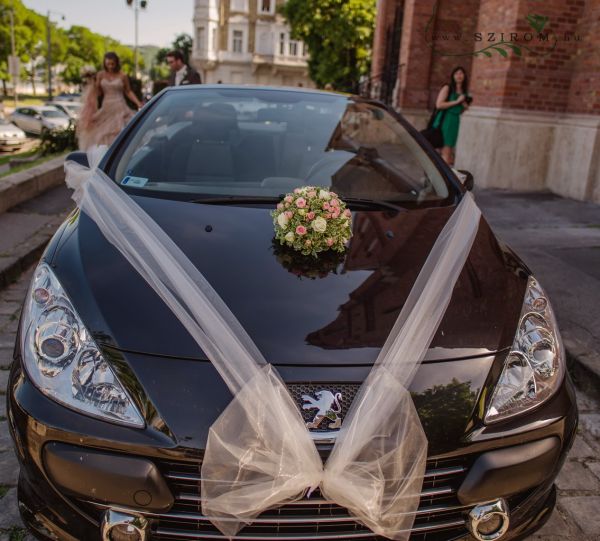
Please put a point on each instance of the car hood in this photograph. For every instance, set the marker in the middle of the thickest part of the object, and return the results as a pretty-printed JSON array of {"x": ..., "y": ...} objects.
[
  {"x": 298, "y": 310},
  {"x": 11, "y": 130},
  {"x": 57, "y": 121}
]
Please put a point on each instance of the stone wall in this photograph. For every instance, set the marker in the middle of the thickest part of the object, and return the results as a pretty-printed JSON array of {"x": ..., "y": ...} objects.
[{"x": 528, "y": 151}]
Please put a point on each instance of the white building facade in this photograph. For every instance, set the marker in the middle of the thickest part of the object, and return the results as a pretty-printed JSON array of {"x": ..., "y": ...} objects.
[{"x": 246, "y": 42}]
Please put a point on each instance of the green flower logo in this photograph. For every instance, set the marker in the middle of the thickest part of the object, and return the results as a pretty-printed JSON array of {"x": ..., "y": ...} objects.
[{"x": 537, "y": 22}]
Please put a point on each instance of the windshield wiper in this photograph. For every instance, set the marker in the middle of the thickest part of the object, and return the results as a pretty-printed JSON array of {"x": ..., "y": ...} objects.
[
  {"x": 234, "y": 199},
  {"x": 357, "y": 202}
]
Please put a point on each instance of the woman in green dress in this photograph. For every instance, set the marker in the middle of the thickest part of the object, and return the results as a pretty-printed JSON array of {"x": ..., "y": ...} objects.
[{"x": 452, "y": 100}]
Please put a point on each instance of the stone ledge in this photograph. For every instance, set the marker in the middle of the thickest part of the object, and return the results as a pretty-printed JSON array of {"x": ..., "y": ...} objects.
[{"x": 24, "y": 185}]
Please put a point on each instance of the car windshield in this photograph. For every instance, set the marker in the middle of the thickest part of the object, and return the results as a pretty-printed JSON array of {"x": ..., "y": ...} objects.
[
  {"x": 233, "y": 142},
  {"x": 50, "y": 113}
]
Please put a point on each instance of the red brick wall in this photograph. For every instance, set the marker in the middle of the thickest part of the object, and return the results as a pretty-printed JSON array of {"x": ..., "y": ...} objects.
[
  {"x": 584, "y": 92},
  {"x": 542, "y": 82},
  {"x": 415, "y": 55},
  {"x": 452, "y": 16},
  {"x": 385, "y": 18},
  {"x": 566, "y": 80},
  {"x": 489, "y": 75}
]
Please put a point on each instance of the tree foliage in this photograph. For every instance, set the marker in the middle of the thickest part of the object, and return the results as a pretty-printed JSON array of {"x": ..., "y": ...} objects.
[
  {"x": 338, "y": 34},
  {"x": 184, "y": 43},
  {"x": 73, "y": 48}
]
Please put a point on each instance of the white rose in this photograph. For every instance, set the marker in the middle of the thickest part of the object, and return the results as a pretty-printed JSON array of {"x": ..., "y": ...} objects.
[
  {"x": 289, "y": 237},
  {"x": 282, "y": 220},
  {"x": 319, "y": 225},
  {"x": 324, "y": 194}
]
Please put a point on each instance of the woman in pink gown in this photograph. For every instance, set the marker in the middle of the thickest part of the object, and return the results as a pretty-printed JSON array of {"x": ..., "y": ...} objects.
[{"x": 100, "y": 126}]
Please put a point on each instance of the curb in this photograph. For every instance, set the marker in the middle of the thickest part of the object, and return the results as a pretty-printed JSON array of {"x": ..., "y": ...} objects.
[
  {"x": 583, "y": 366},
  {"x": 24, "y": 185},
  {"x": 28, "y": 253}
]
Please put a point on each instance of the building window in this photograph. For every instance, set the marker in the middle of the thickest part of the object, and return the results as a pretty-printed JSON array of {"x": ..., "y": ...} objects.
[
  {"x": 213, "y": 40},
  {"x": 200, "y": 47},
  {"x": 239, "y": 5},
  {"x": 238, "y": 41},
  {"x": 282, "y": 43},
  {"x": 266, "y": 6},
  {"x": 304, "y": 49},
  {"x": 293, "y": 48}
]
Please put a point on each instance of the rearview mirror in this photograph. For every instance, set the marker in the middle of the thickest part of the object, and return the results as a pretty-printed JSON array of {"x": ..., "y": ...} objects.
[
  {"x": 467, "y": 179},
  {"x": 78, "y": 157}
]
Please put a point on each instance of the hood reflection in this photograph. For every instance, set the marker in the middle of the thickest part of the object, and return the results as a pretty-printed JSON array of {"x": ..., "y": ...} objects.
[{"x": 395, "y": 248}]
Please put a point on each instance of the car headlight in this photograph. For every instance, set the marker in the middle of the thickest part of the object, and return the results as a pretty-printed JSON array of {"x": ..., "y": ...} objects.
[
  {"x": 63, "y": 360},
  {"x": 535, "y": 366}
]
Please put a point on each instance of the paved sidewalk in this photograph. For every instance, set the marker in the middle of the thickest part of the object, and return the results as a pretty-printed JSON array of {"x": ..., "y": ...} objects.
[
  {"x": 27, "y": 228},
  {"x": 559, "y": 239}
]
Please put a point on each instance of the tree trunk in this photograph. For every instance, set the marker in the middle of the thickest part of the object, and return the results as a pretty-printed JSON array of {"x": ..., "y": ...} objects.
[{"x": 4, "y": 87}]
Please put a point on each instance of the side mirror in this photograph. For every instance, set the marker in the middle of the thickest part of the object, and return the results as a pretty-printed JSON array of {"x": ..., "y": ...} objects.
[
  {"x": 78, "y": 157},
  {"x": 466, "y": 177},
  {"x": 37, "y": 117}
]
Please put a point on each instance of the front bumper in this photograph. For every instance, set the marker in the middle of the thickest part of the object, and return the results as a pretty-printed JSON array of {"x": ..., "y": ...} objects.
[
  {"x": 12, "y": 143},
  {"x": 161, "y": 480}
]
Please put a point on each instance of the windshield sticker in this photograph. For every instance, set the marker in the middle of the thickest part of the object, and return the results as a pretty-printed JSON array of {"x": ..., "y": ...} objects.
[{"x": 134, "y": 181}]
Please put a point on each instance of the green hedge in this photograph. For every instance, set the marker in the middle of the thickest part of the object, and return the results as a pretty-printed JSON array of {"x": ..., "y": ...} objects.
[{"x": 56, "y": 141}]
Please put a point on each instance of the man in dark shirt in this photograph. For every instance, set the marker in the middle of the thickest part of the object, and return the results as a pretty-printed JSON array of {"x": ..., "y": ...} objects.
[{"x": 181, "y": 73}]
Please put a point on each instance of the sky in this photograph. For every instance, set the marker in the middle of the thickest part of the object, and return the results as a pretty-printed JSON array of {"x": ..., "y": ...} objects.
[{"x": 159, "y": 23}]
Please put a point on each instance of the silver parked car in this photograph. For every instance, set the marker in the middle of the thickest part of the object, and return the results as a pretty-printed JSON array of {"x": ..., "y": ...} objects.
[
  {"x": 11, "y": 136},
  {"x": 36, "y": 119},
  {"x": 70, "y": 108}
]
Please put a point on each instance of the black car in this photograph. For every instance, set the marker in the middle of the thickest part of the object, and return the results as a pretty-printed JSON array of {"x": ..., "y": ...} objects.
[{"x": 110, "y": 399}]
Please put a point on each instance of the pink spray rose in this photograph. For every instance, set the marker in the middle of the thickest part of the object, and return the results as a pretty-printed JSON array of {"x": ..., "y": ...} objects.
[
  {"x": 296, "y": 190},
  {"x": 312, "y": 193},
  {"x": 301, "y": 202},
  {"x": 336, "y": 214},
  {"x": 335, "y": 203},
  {"x": 325, "y": 206},
  {"x": 311, "y": 215},
  {"x": 300, "y": 230},
  {"x": 279, "y": 206},
  {"x": 329, "y": 242},
  {"x": 347, "y": 213},
  {"x": 289, "y": 214}
]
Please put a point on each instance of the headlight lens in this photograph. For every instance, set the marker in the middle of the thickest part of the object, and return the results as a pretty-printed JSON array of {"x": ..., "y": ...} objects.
[
  {"x": 62, "y": 358},
  {"x": 535, "y": 366}
]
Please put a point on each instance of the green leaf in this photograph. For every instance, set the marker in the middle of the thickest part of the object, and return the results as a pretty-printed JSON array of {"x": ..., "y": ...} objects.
[
  {"x": 517, "y": 50},
  {"x": 501, "y": 51},
  {"x": 537, "y": 22},
  {"x": 487, "y": 53}
]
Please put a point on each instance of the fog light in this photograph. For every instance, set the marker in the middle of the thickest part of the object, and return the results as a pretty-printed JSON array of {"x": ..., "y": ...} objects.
[
  {"x": 488, "y": 522},
  {"x": 118, "y": 526}
]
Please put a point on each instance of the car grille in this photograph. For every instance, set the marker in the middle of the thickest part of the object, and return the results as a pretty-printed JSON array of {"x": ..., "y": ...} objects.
[{"x": 440, "y": 515}]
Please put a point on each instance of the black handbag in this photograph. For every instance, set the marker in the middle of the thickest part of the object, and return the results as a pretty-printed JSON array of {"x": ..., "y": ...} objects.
[{"x": 434, "y": 135}]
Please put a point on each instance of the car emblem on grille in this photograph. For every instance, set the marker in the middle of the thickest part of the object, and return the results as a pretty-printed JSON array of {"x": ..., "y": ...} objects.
[{"x": 328, "y": 406}]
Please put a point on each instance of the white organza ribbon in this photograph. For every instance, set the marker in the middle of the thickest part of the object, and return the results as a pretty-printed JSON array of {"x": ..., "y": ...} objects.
[{"x": 259, "y": 453}]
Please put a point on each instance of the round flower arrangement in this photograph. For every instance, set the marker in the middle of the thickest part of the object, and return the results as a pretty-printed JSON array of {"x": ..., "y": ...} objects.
[{"x": 312, "y": 220}]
